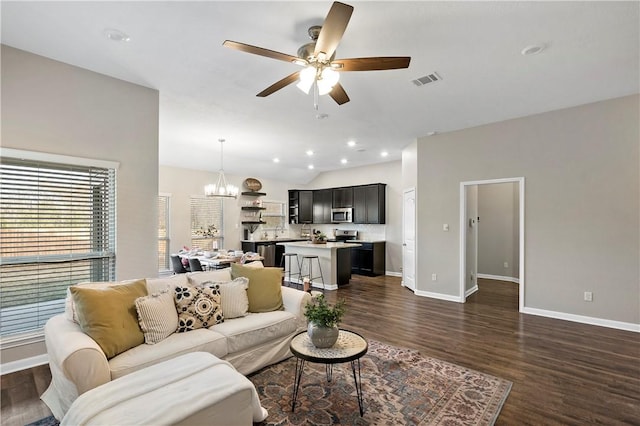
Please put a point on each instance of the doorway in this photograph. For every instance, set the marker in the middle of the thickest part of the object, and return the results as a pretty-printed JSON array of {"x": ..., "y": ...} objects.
[{"x": 469, "y": 195}]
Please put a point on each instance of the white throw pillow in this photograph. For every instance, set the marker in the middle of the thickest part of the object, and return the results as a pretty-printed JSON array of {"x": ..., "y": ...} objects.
[
  {"x": 156, "y": 285},
  {"x": 157, "y": 316},
  {"x": 234, "y": 299}
]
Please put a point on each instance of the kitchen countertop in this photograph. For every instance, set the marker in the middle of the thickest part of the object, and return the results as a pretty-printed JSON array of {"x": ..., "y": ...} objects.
[
  {"x": 275, "y": 240},
  {"x": 331, "y": 240},
  {"x": 328, "y": 245}
]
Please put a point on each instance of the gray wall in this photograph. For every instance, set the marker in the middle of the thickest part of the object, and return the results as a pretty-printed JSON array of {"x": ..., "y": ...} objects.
[
  {"x": 52, "y": 107},
  {"x": 582, "y": 213},
  {"x": 498, "y": 229}
]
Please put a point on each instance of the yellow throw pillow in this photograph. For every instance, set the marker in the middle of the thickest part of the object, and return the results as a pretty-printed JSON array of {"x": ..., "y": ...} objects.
[
  {"x": 108, "y": 315},
  {"x": 265, "y": 287}
]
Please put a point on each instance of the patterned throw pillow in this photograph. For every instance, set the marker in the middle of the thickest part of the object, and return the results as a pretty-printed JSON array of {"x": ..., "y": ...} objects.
[{"x": 198, "y": 307}]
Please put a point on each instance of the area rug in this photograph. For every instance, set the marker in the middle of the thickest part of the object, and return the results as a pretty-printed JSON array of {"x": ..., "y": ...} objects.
[{"x": 400, "y": 387}]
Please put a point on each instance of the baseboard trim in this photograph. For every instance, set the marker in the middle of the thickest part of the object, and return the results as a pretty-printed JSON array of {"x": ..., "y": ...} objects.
[
  {"x": 440, "y": 296},
  {"x": 23, "y": 364},
  {"x": 499, "y": 278},
  {"x": 471, "y": 291},
  {"x": 620, "y": 325},
  {"x": 393, "y": 274}
]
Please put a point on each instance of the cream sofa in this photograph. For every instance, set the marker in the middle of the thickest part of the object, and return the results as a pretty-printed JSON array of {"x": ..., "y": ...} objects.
[{"x": 249, "y": 343}]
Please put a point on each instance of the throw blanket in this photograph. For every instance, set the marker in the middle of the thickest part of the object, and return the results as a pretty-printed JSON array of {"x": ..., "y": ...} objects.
[{"x": 165, "y": 393}]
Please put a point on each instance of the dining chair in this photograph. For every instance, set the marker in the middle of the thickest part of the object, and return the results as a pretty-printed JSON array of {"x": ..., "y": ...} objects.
[
  {"x": 176, "y": 263},
  {"x": 195, "y": 265}
]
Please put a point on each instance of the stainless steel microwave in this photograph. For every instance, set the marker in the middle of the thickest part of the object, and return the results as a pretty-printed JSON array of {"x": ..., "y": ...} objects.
[{"x": 344, "y": 215}]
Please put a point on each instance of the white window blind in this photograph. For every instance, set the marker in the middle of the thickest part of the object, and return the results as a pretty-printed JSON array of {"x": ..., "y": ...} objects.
[
  {"x": 57, "y": 228},
  {"x": 163, "y": 232},
  {"x": 205, "y": 213}
]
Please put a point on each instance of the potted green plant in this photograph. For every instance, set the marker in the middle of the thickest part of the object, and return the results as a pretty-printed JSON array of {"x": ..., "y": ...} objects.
[
  {"x": 323, "y": 321},
  {"x": 319, "y": 237}
]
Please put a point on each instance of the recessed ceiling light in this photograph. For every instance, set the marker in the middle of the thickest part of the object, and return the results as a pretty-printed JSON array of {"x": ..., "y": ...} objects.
[
  {"x": 310, "y": 167},
  {"x": 351, "y": 143},
  {"x": 384, "y": 154},
  {"x": 116, "y": 35},
  {"x": 344, "y": 161},
  {"x": 309, "y": 153},
  {"x": 276, "y": 160},
  {"x": 532, "y": 50}
]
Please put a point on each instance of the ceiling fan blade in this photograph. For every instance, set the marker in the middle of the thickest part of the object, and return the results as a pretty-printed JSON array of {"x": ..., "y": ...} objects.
[
  {"x": 333, "y": 28},
  {"x": 261, "y": 51},
  {"x": 371, "y": 64},
  {"x": 338, "y": 94},
  {"x": 280, "y": 84}
]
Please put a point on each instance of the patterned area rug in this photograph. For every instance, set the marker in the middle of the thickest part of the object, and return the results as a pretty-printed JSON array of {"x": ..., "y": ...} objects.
[{"x": 400, "y": 387}]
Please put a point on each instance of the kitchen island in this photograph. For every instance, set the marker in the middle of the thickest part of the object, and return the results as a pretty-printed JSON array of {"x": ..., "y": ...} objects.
[{"x": 335, "y": 261}]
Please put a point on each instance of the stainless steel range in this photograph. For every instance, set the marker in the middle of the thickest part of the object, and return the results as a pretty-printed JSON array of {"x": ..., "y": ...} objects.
[{"x": 345, "y": 235}]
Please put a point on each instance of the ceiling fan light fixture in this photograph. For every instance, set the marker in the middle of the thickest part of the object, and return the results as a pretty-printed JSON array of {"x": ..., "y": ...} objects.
[
  {"x": 307, "y": 77},
  {"x": 328, "y": 79}
]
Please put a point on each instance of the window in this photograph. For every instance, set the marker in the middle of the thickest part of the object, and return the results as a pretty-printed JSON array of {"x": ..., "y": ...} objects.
[
  {"x": 273, "y": 215},
  {"x": 163, "y": 232},
  {"x": 206, "y": 223},
  {"x": 57, "y": 228}
]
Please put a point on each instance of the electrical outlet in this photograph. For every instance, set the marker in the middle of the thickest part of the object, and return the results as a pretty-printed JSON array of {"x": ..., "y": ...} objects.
[
  {"x": 434, "y": 277},
  {"x": 588, "y": 296}
]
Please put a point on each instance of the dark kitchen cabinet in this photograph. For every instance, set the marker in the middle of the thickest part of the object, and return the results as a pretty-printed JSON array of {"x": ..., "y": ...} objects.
[
  {"x": 322, "y": 199},
  {"x": 300, "y": 206},
  {"x": 369, "y": 259},
  {"x": 369, "y": 203},
  {"x": 342, "y": 197}
]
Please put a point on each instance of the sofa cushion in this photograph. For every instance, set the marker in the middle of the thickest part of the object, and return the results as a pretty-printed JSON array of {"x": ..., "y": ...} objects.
[
  {"x": 196, "y": 278},
  {"x": 265, "y": 287},
  {"x": 155, "y": 285},
  {"x": 198, "y": 307},
  {"x": 201, "y": 340},
  {"x": 157, "y": 316},
  {"x": 255, "y": 329},
  {"x": 108, "y": 315}
]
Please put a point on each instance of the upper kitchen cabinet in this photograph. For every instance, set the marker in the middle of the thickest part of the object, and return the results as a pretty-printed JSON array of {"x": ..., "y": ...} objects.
[
  {"x": 300, "y": 206},
  {"x": 369, "y": 203},
  {"x": 322, "y": 201},
  {"x": 342, "y": 197}
]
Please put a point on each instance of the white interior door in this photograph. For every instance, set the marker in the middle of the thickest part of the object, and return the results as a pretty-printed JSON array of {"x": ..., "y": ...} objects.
[{"x": 409, "y": 239}]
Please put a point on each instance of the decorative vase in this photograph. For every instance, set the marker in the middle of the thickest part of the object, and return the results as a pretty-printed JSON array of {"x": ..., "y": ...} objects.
[{"x": 322, "y": 337}]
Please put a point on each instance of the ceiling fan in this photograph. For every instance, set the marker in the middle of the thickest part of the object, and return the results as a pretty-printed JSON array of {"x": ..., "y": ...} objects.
[{"x": 318, "y": 57}]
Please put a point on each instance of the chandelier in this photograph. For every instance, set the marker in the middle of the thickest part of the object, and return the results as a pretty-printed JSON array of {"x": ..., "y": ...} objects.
[{"x": 221, "y": 188}]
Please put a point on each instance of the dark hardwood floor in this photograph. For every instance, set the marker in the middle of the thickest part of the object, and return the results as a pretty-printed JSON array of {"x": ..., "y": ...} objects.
[{"x": 562, "y": 372}]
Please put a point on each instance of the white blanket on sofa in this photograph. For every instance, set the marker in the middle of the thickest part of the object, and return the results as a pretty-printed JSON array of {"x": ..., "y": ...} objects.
[{"x": 165, "y": 393}]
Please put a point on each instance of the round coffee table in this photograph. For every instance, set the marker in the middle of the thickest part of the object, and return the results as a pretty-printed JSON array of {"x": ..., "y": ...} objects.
[{"x": 350, "y": 347}]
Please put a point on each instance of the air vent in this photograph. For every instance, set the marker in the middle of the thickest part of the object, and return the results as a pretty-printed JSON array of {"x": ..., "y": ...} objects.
[{"x": 429, "y": 78}]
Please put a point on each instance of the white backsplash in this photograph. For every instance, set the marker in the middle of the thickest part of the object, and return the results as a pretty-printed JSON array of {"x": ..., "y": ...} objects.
[{"x": 365, "y": 232}]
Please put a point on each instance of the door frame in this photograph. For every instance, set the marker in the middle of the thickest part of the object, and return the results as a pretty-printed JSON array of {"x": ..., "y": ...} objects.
[
  {"x": 463, "y": 234},
  {"x": 415, "y": 242}
]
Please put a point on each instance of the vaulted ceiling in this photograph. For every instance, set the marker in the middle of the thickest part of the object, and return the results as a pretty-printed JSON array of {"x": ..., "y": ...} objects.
[{"x": 590, "y": 53}]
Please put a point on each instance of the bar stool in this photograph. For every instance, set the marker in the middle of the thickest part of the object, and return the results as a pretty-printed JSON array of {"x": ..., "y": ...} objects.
[
  {"x": 309, "y": 258},
  {"x": 283, "y": 265}
]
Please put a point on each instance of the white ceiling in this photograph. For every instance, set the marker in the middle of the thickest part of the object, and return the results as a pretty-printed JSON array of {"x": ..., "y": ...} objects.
[{"x": 208, "y": 92}]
